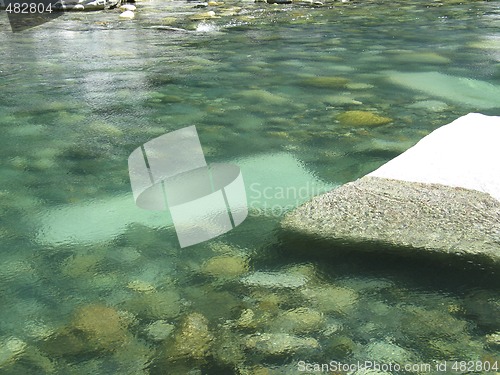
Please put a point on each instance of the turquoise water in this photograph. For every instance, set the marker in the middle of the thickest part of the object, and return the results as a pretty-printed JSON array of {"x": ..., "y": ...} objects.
[{"x": 90, "y": 284}]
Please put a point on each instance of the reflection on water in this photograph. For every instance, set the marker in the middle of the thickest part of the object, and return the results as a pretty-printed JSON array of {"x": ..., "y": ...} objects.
[{"x": 302, "y": 99}]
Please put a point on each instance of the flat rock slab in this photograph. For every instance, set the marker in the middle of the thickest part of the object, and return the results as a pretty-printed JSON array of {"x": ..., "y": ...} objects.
[
  {"x": 403, "y": 215},
  {"x": 440, "y": 197}
]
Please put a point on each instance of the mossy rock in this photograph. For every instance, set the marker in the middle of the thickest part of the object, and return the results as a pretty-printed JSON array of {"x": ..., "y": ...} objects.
[
  {"x": 225, "y": 266},
  {"x": 192, "y": 340},
  {"x": 362, "y": 118},
  {"x": 325, "y": 82}
]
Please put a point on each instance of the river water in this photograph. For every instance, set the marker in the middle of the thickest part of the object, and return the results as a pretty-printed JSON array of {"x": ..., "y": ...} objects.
[{"x": 91, "y": 284}]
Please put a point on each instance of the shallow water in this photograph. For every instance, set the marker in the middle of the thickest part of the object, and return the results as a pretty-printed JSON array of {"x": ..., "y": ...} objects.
[{"x": 79, "y": 94}]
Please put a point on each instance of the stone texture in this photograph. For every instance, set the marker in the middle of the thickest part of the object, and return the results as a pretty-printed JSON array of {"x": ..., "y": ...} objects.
[{"x": 402, "y": 216}]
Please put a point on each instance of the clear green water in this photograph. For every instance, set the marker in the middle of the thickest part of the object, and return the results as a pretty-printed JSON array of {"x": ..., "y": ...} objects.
[{"x": 79, "y": 94}]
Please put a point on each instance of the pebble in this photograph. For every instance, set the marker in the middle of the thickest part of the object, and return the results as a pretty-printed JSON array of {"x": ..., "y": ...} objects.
[
  {"x": 279, "y": 343},
  {"x": 127, "y": 15},
  {"x": 159, "y": 330}
]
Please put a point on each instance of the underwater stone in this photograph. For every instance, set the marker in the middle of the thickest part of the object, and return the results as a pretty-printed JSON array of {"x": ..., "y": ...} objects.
[
  {"x": 159, "y": 330},
  {"x": 387, "y": 352},
  {"x": 299, "y": 320},
  {"x": 193, "y": 340},
  {"x": 332, "y": 298},
  {"x": 430, "y": 105},
  {"x": 10, "y": 350},
  {"x": 469, "y": 92},
  {"x": 257, "y": 96},
  {"x": 276, "y": 344},
  {"x": 156, "y": 305},
  {"x": 325, "y": 82},
  {"x": 225, "y": 266},
  {"x": 362, "y": 118},
  {"x": 141, "y": 286},
  {"x": 274, "y": 280},
  {"x": 103, "y": 326}
]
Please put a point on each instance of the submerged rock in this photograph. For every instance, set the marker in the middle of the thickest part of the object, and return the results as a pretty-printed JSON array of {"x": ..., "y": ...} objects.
[
  {"x": 103, "y": 326},
  {"x": 325, "y": 82},
  {"x": 466, "y": 91},
  {"x": 274, "y": 280},
  {"x": 275, "y": 344},
  {"x": 439, "y": 197},
  {"x": 159, "y": 330},
  {"x": 330, "y": 299},
  {"x": 10, "y": 350},
  {"x": 225, "y": 266},
  {"x": 361, "y": 118},
  {"x": 299, "y": 320},
  {"x": 193, "y": 339}
]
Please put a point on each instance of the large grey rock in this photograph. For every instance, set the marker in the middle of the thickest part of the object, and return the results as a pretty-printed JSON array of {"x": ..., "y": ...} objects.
[{"x": 441, "y": 196}]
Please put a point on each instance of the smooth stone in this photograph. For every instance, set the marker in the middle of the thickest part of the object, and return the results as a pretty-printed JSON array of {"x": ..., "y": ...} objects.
[
  {"x": 127, "y": 15},
  {"x": 225, "y": 266},
  {"x": 430, "y": 105},
  {"x": 158, "y": 305},
  {"x": 275, "y": 344},
  {"x": 471, "y": 93},
  {"x": 274, "y": 280},
  {"x": 362, "y": 118},
  {"x": 264, "y": 96},
  {"x": 78, "y": 7},
  {"x": 159, "y": 330},
  {"x": 299, "y": 320},
  {"x": 141, "y": 286},
  {"x": 330, "y": 299},
  {"x": 359, "y": 86},
  {"x": 103, "y": 326},
  {"x": 420, "y": 57},
  {"x": 387, "y": 352},
  {"x": 325, "y": 82}
]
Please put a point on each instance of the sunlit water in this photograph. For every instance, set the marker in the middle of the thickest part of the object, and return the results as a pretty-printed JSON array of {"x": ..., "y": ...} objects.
[{"x": 78, "y": 95}]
